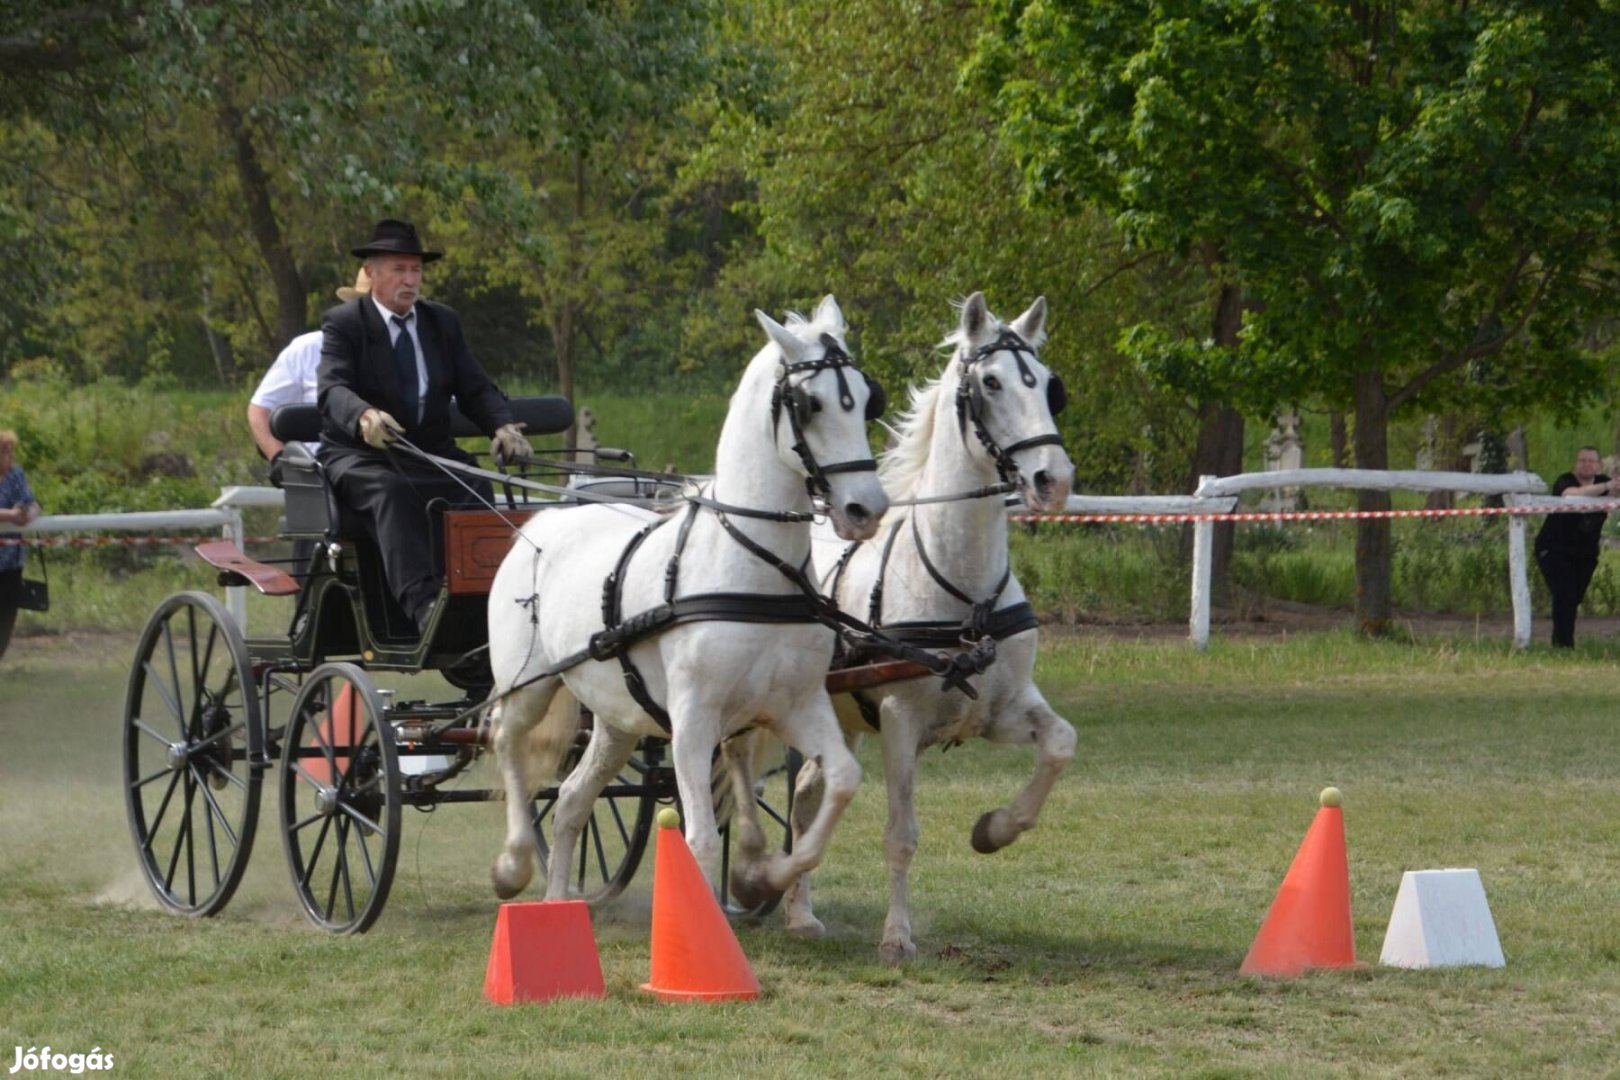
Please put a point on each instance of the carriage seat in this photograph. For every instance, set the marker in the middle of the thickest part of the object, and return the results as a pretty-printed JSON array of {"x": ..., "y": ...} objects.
[{"x": 313, "y": 510}]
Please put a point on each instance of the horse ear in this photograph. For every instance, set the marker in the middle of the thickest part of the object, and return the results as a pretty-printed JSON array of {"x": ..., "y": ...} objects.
[
  {"x": 975, "y": 319},
  {"x": 792, "y": 348},
  {"x": 829, "y": 314},
  {"x": 1031, "y": 325}
]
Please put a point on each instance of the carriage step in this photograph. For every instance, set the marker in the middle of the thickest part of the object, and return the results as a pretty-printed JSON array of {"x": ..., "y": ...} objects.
[{"x": 228, "y": 558}]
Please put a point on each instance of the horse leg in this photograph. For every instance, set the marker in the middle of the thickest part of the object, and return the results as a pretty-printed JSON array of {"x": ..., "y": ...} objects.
[
  {"x": 692, "y": 746},
  {"x": 740, "y": 759},
  {"x": 512, "y": 719},
  {"x": 813, "y": 731},
  {"x": 606, "y": 753},
  {"x": 900, "y": 833},
  {"x": 798, "y": 916},
  {"x": 1053, "y": 737}
]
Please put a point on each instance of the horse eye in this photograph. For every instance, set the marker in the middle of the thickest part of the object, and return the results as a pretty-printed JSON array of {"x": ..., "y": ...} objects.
[
  {"x": 815, "y": 404},
  {"x": 992, "y": 383}
]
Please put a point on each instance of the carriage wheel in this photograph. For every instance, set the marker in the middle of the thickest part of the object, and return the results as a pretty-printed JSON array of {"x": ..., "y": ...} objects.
[
  {"x": 615, "y": 835},
  {"x": 192, "y": 734},
  {"x": 340, "y": 799}
]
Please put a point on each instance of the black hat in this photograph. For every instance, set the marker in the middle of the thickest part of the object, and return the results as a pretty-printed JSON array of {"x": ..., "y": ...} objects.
[{"x": 394, "y": 237}]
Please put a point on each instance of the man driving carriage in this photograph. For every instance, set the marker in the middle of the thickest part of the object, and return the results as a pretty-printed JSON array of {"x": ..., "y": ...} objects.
[{"x": 390, "y": 364}]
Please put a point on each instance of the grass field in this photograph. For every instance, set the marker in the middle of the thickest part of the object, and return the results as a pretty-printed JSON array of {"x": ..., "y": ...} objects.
[{"x": 1107, "y": 942}]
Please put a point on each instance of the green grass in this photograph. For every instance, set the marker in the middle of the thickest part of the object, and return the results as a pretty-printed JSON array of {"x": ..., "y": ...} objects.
[{"x": 1106, "y": 942}]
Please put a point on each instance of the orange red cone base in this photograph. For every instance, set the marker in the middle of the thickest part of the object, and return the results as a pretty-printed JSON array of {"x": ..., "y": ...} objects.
[{"x": 543, "y": 950}]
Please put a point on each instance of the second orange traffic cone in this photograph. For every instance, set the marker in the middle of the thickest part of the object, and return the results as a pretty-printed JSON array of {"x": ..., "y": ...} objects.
[
  {"x": 1308, "y": 925},
  {"x": 695, "y": 954}
]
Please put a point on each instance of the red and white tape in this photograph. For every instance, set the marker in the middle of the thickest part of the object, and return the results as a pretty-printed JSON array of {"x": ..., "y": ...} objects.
[{"x": 1320, "y": 515}]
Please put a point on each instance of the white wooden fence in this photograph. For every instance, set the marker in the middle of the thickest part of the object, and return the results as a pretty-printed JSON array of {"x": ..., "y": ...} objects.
[{"x": 1215, "y": 497}]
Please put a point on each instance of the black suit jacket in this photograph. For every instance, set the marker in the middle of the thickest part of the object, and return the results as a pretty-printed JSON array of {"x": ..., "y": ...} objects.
[{"x": 357, "y": 373}]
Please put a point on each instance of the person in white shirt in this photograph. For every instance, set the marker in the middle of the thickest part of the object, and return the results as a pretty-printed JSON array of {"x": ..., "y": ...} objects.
[{"x": 292, "y": 380}]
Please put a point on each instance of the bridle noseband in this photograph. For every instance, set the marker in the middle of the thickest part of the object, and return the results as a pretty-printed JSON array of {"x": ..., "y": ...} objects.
[
  {"x": 790, "y": 398},
  {"x": 970, "y": 402}
]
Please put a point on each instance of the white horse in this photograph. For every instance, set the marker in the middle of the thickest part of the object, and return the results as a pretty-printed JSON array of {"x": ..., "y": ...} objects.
[
  {"x": 939, "y": 574},
  {"x": 797, "y": 420}
]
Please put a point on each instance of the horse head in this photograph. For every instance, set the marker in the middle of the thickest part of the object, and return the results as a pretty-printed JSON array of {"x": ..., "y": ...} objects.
[
  {"x": 1009, "y": 399},
  {"x": 820, "y": 405}
]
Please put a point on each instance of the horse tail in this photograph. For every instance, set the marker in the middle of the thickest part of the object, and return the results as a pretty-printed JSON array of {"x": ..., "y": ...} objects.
[{"x": 546, "y": 746}]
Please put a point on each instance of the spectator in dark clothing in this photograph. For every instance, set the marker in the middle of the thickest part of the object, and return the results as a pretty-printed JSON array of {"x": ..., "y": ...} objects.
[
  {"x": 1567, "y": 545},
  {"x": 17, "y": 507}
]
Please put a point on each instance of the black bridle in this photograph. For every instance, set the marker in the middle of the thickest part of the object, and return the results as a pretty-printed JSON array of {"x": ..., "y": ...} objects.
[
  {"x": 790, "y": 397},
  {"x": 970, "y": 402}
]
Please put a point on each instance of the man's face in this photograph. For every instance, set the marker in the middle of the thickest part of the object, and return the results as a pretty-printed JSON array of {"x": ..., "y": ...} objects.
[
  {"x": 396, "y": 281},
  {"x": 5, "y": 458},
  {"x": 1586, "y": 466}
]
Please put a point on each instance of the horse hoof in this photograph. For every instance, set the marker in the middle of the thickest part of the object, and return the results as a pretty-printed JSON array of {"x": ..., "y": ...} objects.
[
  {"x": 751, "y": 889},
  {"x": 809, "y": 929},
  {"x": 984, "y": 841},
  {"x": 897, "y": 952},
  {"x": 509, "y": 879}
]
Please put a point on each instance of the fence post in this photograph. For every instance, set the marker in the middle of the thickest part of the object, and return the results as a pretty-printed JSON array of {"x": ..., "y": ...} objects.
[
  {"x": 236, "y": 595},
  {"x": 1202, "y": 572},
  {"x": 1518, "y": 582}
]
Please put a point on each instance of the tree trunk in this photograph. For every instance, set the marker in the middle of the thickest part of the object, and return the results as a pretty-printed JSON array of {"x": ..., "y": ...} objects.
[
  {"x": 1374, "y": 549},
  {"x": 1219, "y": 450},
  {"x": 565, "y": 332},
  {"x": 218, "y": 346},
  {"x": 1339, "y": 438},
  {"x": 292, "y": 305}
]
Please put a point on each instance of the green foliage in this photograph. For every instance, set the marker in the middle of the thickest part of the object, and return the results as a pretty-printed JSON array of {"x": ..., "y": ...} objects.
[
  {"x": 1403, "y": 191},
  {"x": 875, "y": 175}
]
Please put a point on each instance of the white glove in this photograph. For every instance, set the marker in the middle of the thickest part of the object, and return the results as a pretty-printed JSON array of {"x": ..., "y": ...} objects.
[
  {"x": 379, "y": 429},
  {"x": 509, "y": 444}
]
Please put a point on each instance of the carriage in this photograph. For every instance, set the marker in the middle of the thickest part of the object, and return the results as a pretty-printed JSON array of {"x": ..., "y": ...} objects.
[
  {"x": 209, "y": 713},
  {"x": 737, "y": 637}
]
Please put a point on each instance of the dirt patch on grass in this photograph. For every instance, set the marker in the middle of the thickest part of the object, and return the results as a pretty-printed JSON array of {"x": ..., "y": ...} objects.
[{"x": 74, "y": 650}]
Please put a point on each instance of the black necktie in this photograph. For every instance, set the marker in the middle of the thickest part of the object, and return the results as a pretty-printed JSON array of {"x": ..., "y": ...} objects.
[{"x": 405, "y": 368}]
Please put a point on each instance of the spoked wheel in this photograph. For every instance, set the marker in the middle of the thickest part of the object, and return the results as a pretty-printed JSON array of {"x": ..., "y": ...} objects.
[
  {"x": 615, "y": 837},
  {"x": 340, "y": 799},
  {"x": 191, "y": 737}
]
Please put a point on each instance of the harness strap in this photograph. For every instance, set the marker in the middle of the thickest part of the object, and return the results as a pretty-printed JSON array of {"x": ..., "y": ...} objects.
[
  {"x": 616, "y": 637},
  {"x": 980, "y": 617},
  {"x": 930, "y": 634}
]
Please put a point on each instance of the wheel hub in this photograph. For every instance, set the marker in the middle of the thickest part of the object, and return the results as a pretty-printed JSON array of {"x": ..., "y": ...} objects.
[
  {"x": 177, "y": 757},
  {"x": 326, "y": 801}
]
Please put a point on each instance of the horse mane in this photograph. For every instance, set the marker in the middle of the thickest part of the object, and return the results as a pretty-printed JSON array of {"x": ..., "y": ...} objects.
[{"x": 902, "y": 464}]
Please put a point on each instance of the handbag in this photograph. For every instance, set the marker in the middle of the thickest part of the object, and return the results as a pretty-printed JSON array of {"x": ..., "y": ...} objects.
[{"x": 36, "y": 595}]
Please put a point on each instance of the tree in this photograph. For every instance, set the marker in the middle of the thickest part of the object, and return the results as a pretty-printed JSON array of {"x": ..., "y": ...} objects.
[
  {"x": 252, "y": 141},
  {"x": 869, "y": 171},
  {"x": 1402, "y": 192}
]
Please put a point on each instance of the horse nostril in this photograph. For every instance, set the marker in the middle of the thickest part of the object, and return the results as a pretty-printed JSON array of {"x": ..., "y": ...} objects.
[
  {"x": 857, "y": 514},
  {"x": 1043, "y": 481}
]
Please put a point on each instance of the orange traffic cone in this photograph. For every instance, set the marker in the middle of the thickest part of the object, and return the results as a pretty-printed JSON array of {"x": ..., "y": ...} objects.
[
  {"x": 695, "y": 954},
  {"x": 340, "y": 728},
  {"x": 1308, "y": 925},
  {"x": 543, "y": 950}
]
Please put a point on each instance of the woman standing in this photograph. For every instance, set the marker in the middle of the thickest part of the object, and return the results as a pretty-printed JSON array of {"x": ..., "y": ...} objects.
[{"x": 17, "y": 507}]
